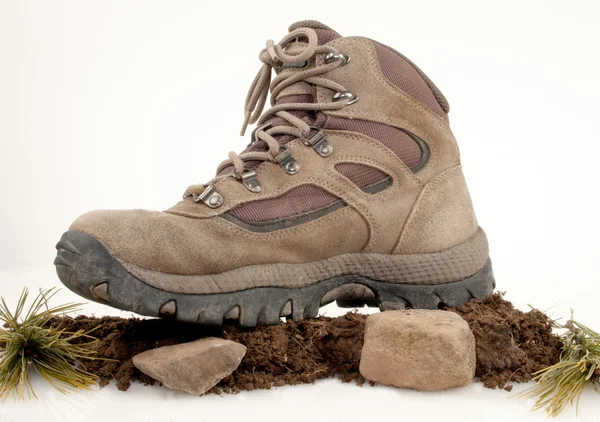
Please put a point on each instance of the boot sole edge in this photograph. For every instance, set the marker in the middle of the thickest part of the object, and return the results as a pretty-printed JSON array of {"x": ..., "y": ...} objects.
[{"x": 86, "y": 267}]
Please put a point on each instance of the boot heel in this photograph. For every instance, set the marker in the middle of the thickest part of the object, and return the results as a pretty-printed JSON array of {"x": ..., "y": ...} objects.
[{"x": 400, "y": 296}]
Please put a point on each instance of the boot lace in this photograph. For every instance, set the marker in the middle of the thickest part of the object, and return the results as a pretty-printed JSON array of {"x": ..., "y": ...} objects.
[{"x": 277, "y": 56}]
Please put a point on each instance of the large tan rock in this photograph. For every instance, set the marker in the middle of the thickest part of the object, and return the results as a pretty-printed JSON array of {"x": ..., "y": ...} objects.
[
  {"x": 419, "y": 349},
  {"x": 193, "y": 367}
]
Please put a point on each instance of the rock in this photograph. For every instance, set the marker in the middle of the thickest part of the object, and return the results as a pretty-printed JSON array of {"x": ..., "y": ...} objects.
[
  {"x": 421, "y": 349},
  {"x": 193, "y": 367}
]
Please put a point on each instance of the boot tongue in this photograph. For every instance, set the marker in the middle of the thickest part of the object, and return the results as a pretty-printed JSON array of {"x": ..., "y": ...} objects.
[
  {"x": 299, "y": 92},
  {"x": 324, "y": 35}
]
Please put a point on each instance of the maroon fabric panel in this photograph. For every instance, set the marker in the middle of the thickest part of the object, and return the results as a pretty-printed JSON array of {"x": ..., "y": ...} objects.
[
  {"x": 326, "y": 35},
  {"x": 405, "y": 77},
  {"x": 360, "y": 174},
  {"x": 395, "y": 139},
  {"x": 296, "y": 201}
]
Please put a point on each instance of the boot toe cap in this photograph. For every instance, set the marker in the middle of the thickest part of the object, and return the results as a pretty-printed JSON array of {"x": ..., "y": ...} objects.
[{"x": 151, "y": 240}]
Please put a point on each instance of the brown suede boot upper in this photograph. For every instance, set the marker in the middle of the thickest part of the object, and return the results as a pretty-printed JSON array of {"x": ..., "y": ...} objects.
[{"x": 384, "y": 179}]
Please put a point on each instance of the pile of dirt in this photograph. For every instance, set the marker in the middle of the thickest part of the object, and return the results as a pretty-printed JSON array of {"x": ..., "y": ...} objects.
[
  {"x": 511, "y": 345},
  {"x": 286, "y": 354}
]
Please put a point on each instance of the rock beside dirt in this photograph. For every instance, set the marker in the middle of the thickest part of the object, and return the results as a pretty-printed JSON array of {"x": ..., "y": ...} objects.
[
  {"x": 424, "y": 350},
  {"x": 193, "y": 367}
]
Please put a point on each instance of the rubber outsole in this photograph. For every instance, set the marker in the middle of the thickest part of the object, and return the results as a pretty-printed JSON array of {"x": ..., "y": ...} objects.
[{"x": 86, "y": 267}]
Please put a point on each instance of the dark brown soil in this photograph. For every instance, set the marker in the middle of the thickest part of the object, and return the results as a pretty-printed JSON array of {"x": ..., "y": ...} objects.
[
  {"x": 285, "y": 354},
  {"x": 511, "y": 345}
]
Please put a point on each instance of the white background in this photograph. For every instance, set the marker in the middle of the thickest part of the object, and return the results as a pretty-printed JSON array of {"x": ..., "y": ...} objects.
[{"x": 123, "y": 104}]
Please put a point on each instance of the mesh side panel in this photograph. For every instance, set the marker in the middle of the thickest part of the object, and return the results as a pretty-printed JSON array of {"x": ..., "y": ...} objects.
[
  {"x": 441, "y": 99},
  {"x": 406, "y": 77},
  {"x": 326, "y": 35},
  {"x": 296, "y": 201},
  {"x": 395, "y": 139},
  {"x": 360, "y": 174}
]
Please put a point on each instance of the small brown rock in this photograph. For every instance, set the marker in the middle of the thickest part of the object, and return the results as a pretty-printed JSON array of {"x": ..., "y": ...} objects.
[
  {"x": 193, "y": 367},
  {"x": 421, "y": 349}
]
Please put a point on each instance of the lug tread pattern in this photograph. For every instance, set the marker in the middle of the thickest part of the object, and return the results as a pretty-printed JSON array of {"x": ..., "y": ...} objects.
[{"x": 94, "y": 265}]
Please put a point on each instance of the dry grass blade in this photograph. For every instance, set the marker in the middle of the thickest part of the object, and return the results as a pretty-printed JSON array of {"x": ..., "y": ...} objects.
[
  {"x": 562, "y": 384},
  {"x": 28, "y": 341}
]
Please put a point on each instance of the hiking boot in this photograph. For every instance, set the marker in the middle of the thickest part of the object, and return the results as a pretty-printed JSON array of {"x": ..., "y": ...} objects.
[{"x": 351, "y": 190}]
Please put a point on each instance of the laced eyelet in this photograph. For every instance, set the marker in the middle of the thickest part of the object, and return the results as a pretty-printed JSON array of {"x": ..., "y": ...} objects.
[
  {"x": 352, "y": 98},
  {"x": 286, "y": 161},
  {"x": 318, "y": 142},
  {"x": 249, "y": 179},
  {"x": 255, "y": 131},
  {"x": 331, "y": 57},
  {"x": 210, "y": 197}
]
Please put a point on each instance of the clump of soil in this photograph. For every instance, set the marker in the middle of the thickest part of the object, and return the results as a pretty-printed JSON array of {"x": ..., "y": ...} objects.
[
  {"x": 286, "y": 354},
  {"x": 511, "y": 346}
]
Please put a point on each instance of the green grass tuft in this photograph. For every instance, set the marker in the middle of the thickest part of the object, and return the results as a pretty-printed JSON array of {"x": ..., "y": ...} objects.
[
  {"x": 27, "y": 341},
  {"x": 579, "y": 366}
]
